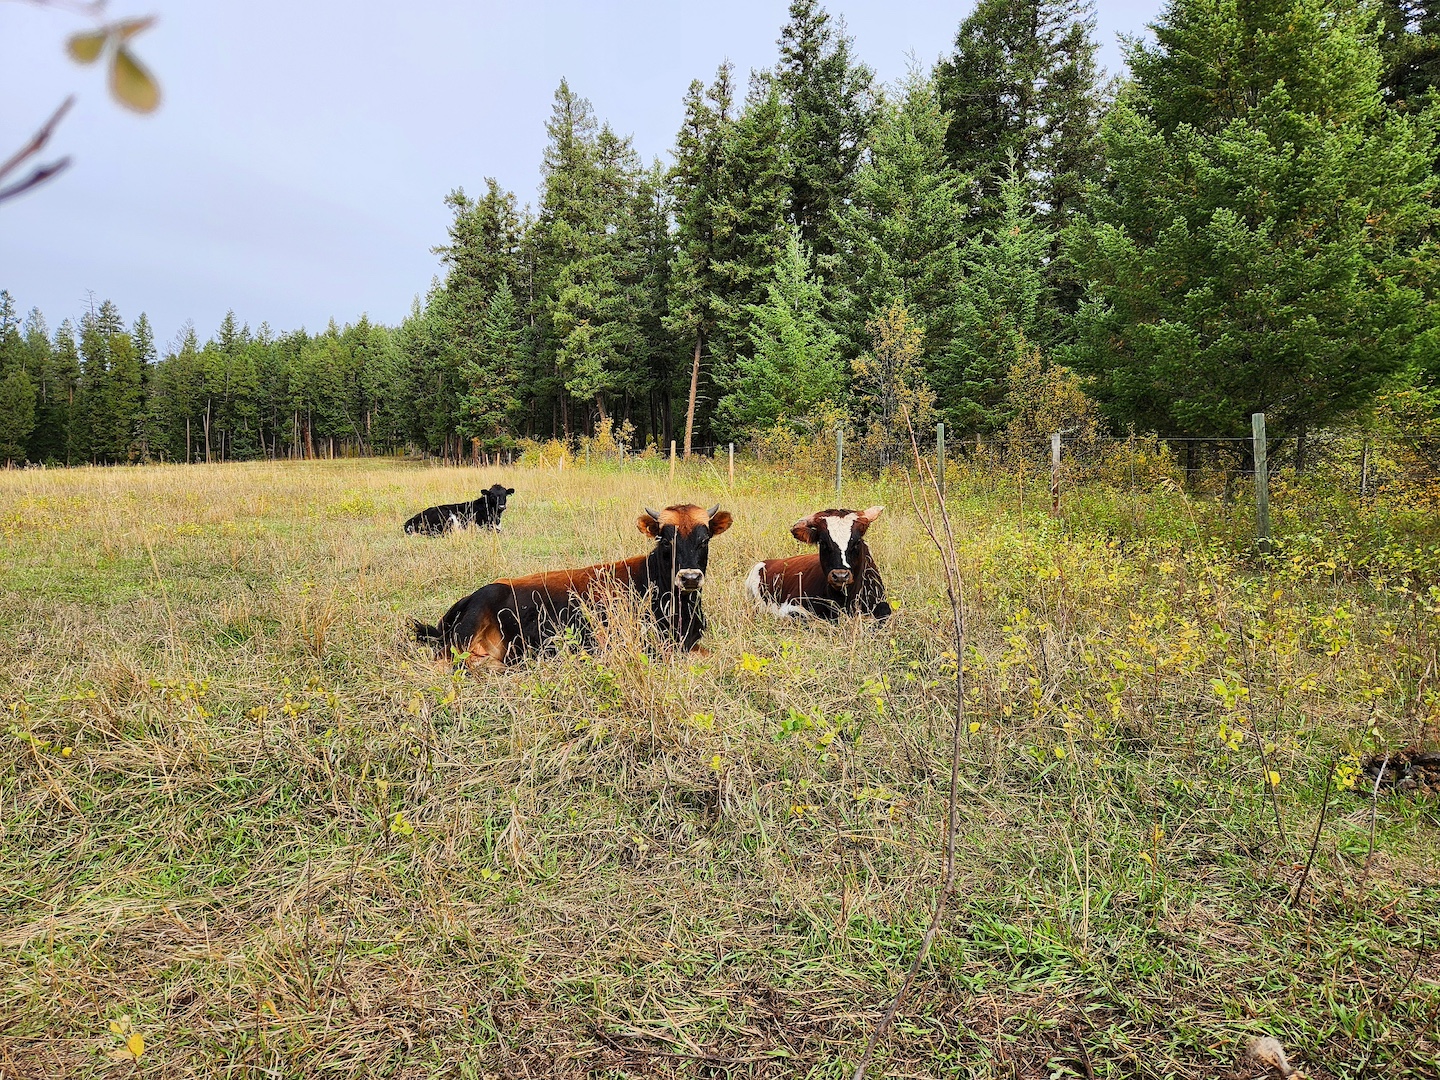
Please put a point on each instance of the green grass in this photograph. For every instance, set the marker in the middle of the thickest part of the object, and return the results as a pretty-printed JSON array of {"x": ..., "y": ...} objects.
[{"x": 618, "y": 864}]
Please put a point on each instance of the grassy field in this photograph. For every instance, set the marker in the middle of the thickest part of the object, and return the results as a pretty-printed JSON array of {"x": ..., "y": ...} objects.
[{"x": 242, "y": 818}]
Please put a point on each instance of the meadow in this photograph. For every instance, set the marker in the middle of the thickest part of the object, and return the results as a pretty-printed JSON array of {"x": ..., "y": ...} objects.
[{"x": 247, "y": 829}]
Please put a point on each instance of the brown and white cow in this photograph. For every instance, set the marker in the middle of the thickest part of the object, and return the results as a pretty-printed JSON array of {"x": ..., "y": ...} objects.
[
  {"x": 501, "y": 622},
  {"x": 840, "y": 578}
]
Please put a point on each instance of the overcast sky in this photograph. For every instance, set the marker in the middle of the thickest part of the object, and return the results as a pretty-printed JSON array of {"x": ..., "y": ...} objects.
[{"x": 297, "y": 166}]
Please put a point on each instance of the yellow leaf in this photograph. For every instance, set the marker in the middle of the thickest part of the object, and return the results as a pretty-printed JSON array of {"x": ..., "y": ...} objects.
[
  {"x": 1273, "y": 777},
  {"x": 125, "y": 29},
  {"x": 85, "y": 47},
  {"x": 119, "y": 1027},
  {"x": 135, "y": 1044},
  {"x": 131, "y": 84}
]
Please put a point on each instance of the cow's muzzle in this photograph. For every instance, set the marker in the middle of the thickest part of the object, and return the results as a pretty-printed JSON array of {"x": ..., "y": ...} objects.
[
  {"x": 689, "y": 580},
  {"x": 840, "y": 579}
]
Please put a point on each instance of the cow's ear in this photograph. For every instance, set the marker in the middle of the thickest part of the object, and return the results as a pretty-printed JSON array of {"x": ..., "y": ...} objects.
[
  {"x": 804, "y": 530},
  {"x": 509, "y": 491},
  {"x": 867, "y": 516},
  {"x": 648, "y": 524},
  {"x": 720, "y": 521}
]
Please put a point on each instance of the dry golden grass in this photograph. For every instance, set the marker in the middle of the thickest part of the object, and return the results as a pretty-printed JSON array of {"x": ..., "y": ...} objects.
[{"x": 240, "y": 809}]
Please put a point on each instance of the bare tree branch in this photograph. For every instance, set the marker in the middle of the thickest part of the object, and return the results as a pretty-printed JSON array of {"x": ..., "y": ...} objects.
[
  {"x": 35, "y": 179},
  {"x": 91, "y": 8},
  {"x": 30, "y": 149}
]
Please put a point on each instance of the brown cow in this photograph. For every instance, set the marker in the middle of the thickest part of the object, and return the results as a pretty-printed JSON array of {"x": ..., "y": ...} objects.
[
  {"x": 840, "y": 578},
  {"x": 501, "y": 622}
]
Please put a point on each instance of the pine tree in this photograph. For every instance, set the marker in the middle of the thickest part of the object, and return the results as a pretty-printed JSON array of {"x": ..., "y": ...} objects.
[
  {"x": 654, "y": 254},
  {"x": 751, "y": 234},
  {"x": 489, "y": 400},
  {"x": 697, "y": 287},
  {"x": 126, "y": 400},
  {"x": 1003, "y": 297},
  {"x": 1410, "y": 49},
  {"x": 94, "y": 423},
  {"x": 903, "y": 232},
  {"x": 589, "y": 173},
  {"x": 793, "y": 363},
  {"x": 143, "y": 339},
  {"x": 1022, "y": 87},
  {"x": 829, "y": 103},
  {"x": 65, "y": 356},
  {"x": 17, "y": 393},
  {"x": 1251, "y": 249},
  {"x": 595, "y": 334},
  {"x": 52, "y": 394}
]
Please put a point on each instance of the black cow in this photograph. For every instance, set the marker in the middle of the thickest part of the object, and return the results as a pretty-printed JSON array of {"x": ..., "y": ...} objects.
[
  {"x": 841, "y": 578},
  {"x": 500, "y": 623},
  {"x": 485, "y": 510}
]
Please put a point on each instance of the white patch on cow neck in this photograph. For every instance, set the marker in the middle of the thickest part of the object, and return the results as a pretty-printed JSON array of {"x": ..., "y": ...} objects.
[
  {"x": 840, "y": 529},
  {"x": 752, "y": 584}
]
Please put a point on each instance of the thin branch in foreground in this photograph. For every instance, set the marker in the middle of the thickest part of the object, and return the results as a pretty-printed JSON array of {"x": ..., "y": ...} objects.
[
  {"x": 920, "y": 502},
  {"x": 1374, "y": 812},
  {"x": 1265, "y": 767},
  {"x": 1315, "y": 841},
  {"x": 30, "y": 149}
]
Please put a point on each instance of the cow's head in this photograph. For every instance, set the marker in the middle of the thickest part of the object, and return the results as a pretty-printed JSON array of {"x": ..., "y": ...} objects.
[
  {"x": 496, "y": 495},
  {"x": 682, "y": 543},
  {"x": 840, "y": 535}
]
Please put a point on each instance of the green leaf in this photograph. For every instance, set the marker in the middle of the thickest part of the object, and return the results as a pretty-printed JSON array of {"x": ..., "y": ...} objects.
[
  {"x": 131, "y": 84},
  {"x": 85, "y": 48}
]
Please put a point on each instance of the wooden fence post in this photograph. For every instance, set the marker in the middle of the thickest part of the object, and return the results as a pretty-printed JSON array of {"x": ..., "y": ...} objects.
[
  {"x": 1262, "y": 482},
  {"x": 1055, "y": 474},
  {"x": 839, "y": 456},
  {"x": 672, "y": 461},
  {"x": 732, "y": 464}
]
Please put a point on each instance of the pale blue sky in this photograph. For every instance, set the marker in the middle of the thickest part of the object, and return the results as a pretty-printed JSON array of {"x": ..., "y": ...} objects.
[{"x": 297, "y": 166}]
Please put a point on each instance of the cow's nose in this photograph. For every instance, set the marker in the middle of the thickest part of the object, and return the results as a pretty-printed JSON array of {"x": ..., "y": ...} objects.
[
  {"x": 841, "y": 578},
  {"x": 689, "y": 580}
]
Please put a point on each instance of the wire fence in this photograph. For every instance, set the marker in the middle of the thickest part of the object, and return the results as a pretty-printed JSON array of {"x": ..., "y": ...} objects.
[{"x": 1349, "y": 463}]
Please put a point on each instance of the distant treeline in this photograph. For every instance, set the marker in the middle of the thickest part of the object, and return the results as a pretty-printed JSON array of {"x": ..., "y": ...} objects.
[{"x": 1247, "y": 223}]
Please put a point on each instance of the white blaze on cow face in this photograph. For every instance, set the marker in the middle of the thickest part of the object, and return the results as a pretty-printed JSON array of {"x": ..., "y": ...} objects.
[{"x": 840, "y": 529}]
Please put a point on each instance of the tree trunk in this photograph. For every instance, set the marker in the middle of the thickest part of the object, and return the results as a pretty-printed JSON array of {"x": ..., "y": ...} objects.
[
  {"x": 694, "y": 386},
  {"x": 207, "y": 433},
  {"x": 188, "y": 458}
]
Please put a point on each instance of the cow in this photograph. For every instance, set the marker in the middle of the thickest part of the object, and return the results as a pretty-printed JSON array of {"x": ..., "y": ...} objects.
[
  {"x": 503, "y": 621},
  {"x": 486, "y": 510},
  {"x": 840, "y": 578}
]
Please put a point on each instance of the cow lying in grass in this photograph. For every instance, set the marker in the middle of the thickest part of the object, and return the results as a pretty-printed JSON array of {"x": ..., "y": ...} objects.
[
  {"x": 502, "y": 622},
  {"x": 840, "y": 578},
  {"x": 486, "y": 510}
]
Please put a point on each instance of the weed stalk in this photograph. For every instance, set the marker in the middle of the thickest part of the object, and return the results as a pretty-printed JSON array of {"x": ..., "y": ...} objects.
[{"x": 927, "y": 483}]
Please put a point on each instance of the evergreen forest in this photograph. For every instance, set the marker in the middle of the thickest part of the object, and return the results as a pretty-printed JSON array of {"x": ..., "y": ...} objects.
[{"x": 1244, "y": 222}]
